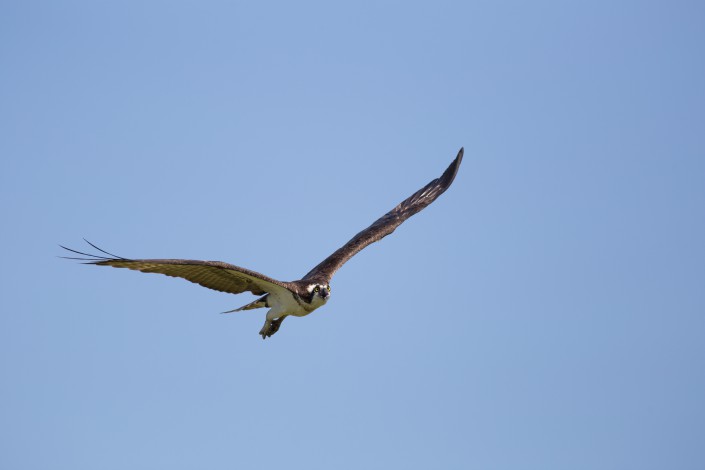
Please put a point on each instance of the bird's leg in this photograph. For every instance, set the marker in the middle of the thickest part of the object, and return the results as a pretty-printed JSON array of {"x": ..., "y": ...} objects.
[
  {"x": 276, "y": 324},
  {"x": 264, "y": 332},
  {"x": 271, "y": 326}
]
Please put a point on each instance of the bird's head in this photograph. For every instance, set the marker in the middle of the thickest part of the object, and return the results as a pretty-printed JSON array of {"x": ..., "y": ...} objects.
[{"x": 320, "y": 293}]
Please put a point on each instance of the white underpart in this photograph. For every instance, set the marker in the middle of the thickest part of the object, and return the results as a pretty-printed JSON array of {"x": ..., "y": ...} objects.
[
  {"x": 282, "y": 303},
  {"x": 317, "y": 301}
]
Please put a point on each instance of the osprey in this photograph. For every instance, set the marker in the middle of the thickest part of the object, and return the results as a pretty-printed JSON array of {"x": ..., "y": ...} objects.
[{"x": 297, "y": 298}]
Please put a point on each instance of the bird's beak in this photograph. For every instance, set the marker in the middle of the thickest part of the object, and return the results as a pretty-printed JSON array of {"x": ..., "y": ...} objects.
[{"x": 325, "y": 293}]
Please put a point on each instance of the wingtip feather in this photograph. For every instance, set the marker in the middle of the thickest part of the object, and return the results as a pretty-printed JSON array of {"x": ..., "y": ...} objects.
[{"x": 452, "y": 170}]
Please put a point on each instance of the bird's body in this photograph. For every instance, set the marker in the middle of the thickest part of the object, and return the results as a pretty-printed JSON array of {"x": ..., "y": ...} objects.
[{"x": 296, "y": 298}]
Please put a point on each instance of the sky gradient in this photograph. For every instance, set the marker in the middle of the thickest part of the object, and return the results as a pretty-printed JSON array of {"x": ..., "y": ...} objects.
[{"x": 546, "y": 312}]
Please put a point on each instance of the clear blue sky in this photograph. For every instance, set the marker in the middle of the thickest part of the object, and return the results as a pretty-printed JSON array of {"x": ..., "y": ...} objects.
[{"x": 547, "y": 312}]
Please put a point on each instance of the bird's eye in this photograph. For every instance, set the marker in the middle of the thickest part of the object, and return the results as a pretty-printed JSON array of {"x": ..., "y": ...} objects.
[{"x": 316, "y": 289}]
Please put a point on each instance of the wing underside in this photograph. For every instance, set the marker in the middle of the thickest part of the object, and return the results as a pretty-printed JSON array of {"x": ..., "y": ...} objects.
[{"x": 215, "y": 275}]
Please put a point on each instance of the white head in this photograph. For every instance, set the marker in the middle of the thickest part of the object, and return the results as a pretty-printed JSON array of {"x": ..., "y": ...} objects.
[{"x": 320, "y": 293}]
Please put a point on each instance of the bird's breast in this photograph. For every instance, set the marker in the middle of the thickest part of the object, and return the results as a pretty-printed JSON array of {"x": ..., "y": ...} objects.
[{"x": 291, "y": 305}]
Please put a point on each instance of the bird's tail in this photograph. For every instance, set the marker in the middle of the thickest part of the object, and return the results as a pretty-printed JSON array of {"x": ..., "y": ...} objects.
[{"x": 259, "y": 303}]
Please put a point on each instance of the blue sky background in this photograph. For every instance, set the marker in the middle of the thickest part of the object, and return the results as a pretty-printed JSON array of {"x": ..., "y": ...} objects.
[{"x": 547, "y": 312}]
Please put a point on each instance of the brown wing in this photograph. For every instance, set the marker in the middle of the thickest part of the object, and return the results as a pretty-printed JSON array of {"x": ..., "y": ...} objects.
[
  {"x": 387, "y": 223},
  {"x": 214, "y": 275}
]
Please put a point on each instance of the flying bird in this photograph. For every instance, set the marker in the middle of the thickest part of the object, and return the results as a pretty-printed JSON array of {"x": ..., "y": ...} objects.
[{"x": 297, "y": 298}]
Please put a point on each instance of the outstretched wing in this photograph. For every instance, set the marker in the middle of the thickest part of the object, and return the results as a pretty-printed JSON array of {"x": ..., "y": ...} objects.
[
  {"x": 387, "y": 223},
  {"x": 214, "y": 275}
]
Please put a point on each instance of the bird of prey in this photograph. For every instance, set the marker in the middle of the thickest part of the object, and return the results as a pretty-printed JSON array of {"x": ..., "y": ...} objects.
[{"x": 297, "y": 298}]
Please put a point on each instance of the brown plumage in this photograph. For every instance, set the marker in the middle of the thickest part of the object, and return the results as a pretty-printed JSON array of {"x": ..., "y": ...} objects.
[
  {"x": 387, "y": 223},
  {"x": 296, "y": 298}
]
